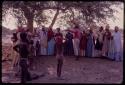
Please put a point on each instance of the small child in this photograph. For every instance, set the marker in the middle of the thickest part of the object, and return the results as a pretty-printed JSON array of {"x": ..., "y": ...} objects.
[{"x": 59, "y": 51}]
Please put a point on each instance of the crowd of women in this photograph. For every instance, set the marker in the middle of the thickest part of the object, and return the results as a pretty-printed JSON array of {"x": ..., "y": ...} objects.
[{"x": 76, "y": 43}]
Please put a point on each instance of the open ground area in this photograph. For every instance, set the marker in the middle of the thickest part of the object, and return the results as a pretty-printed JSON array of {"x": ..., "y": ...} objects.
[{"x": 86, "y": 70}]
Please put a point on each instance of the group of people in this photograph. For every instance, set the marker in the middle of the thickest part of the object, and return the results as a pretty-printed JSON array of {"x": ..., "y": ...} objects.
[{"x": 76, "y": 43}]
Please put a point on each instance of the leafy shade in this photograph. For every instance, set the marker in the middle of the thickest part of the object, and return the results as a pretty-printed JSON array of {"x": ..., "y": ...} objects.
[{"x": 74, "y": 12}]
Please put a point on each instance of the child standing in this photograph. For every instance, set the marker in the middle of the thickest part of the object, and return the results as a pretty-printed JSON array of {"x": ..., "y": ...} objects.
[{"x": 59, "y": 51}]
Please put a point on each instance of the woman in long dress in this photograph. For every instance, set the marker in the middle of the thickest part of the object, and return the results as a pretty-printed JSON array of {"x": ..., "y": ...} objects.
[
  {"x": 43, "y": 41},
  {"x": 69, "y": 44},
  {"x": 99, "y": 42},
  {"x": 83, "y": 43},
  {"x": 111, "y": 49},
  {"x": 117, "y": 45},
  {"x": 90, "y": 44},
  {"x": 51, "y": 42}
]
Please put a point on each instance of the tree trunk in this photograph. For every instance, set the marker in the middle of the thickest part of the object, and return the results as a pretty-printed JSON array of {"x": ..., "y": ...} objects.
[
  {"x": 29, "y": 16},
  {"x": 54, "y": 19},
  {"x": 30, "y": 24}
]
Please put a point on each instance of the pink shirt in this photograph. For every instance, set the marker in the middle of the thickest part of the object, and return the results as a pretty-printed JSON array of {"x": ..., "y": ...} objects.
[{"x": 76, "y": 33}]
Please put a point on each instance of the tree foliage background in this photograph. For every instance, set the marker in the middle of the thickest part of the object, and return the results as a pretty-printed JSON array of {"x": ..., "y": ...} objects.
[{"x": 68, "y": 13}]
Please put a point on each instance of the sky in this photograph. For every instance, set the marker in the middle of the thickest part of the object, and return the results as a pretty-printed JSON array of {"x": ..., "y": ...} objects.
[{"x": 10, "y": 21}]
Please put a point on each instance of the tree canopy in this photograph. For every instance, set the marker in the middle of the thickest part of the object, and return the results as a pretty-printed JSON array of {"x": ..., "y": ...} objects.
[{"x": 27, "y": 12}]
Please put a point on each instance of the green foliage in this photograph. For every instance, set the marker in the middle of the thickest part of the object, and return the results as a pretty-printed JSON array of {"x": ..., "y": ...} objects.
[{"x": 87, "y": 12}]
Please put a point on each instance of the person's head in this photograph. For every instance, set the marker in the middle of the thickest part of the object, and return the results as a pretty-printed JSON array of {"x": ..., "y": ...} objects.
[
  {"x": 90, "y": 30},
  {"x": 14, "y": 34},
  {"x": 14, "y": 37},
  {"x": 101, "y": 28},
  {"x": 83, "y": 31},
  {"x": 58, "y": 29},
  {"x": 43, "y": 29},
  {"x": 116, "y": 29},
  {"x": 68, "y": 32},
  {"x": 76, "y": 27},
  {"x": 50, "y": 29}
]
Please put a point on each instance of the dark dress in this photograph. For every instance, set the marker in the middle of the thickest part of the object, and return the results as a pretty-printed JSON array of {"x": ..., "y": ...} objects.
[
  {"x": 98, "y": 45},
  {"x": 90, "y": 45},
  {"x": 83, "y": 42},
  {"x": 68, "y": 45}
]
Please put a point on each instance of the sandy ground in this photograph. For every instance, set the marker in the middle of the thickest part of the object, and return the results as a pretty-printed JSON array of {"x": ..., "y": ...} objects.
[{"x": 86, "y": 70}]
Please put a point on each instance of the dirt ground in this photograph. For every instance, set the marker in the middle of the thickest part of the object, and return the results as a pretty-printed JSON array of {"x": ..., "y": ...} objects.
[{"x": 86, "y": 70}]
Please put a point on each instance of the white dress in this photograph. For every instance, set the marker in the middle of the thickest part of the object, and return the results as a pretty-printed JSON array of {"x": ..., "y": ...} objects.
[
  {"x": 43, "y": 42},
  {"x": 118, "y": 46}
]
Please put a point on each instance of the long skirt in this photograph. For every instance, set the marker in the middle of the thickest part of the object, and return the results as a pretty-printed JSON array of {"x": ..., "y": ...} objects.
[
  {"x": 118, "y": 56},
  {"x": 76, "y": 46},
  {"x": 43, "y": 50},
  {"x": 90, "y": 48},
  {"x": 50, "y": 49},
  {"x": 111, "y": 50},
  {"x": 118, "y": 52},
  {"x": 98, "y": 49},
  {"x": 105, "y": 47},
  {"x": 68, "y": 48}
]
